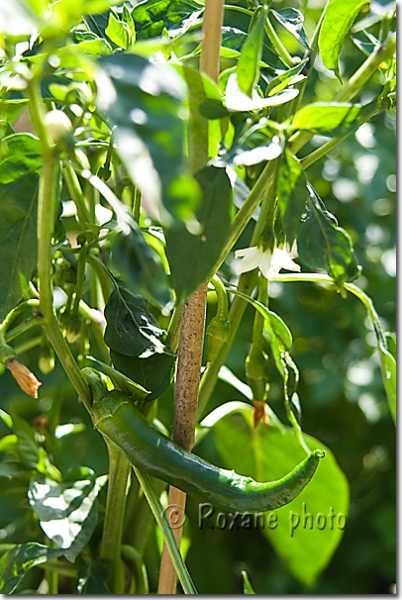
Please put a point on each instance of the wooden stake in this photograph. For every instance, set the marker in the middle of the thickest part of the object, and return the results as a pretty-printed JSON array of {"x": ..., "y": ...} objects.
[{"x": 192, "y": 326}]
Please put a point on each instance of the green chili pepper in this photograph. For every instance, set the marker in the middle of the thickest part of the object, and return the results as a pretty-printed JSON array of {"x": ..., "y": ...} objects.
[{"x": 118, "y": 420}]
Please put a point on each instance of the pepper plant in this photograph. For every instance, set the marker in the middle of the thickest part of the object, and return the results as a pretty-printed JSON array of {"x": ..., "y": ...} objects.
[{"x": 155, "y": 194}]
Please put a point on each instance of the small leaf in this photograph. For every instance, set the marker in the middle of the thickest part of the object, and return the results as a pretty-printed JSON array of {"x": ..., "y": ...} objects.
[
  {"x": 293, "y": 20},
  {"x": 323, "y": 245},
  {"x": 327, "y": 118},
  {"x": 67, "y": 511},
  {"x": 131, "y": 329},
  {"x": 19, "y": 181},
  {"x": 17, "y": 561},
  {"x": 118, "y": 32},
  {"x": 338, "y": 19},
  {"x": 286, "y": 78},
  {"x": 191, "y": 256},
  {"x": 247, "y": 69}
]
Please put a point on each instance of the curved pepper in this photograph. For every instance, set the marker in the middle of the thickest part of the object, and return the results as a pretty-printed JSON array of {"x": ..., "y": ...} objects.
[{"x": 118, "y": 420}]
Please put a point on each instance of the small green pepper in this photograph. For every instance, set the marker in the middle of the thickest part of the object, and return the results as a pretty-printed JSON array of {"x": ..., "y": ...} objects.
[{"x": 118, "y": 420}]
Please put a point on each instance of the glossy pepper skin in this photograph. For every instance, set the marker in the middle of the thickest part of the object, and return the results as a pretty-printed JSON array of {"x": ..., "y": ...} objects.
[{"x": 119, "y": 421}]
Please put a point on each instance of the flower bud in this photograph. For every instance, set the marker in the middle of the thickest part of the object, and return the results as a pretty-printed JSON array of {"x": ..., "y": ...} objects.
[{"x": 58, "y": 125}]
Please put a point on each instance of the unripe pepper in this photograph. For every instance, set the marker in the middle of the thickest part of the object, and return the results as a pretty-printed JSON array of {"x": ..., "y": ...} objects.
[{"x": 118, "y": 420}]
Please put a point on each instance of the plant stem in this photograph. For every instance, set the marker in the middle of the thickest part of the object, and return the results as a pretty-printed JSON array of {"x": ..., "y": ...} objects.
[
  {"x": 353, "y": 86},
  {"x": 119, "y": 472},
  {"x": 141, "y": 578},
  {"x": 15, "y": 312},
  {"x": 160, "y": 517},
  {"x": 77, "y": 195},
  {"x": 277, "y": 44},
  {"x": 48, "y": 186}
]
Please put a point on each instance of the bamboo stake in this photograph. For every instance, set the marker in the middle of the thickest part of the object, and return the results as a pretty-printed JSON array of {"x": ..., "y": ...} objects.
[{"x": 192, "y": 326}]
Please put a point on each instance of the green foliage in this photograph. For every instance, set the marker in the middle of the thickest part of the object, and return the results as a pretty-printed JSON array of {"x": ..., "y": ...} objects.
[
  {"x": 19, "y": 179},
  {"x": 67, "y": 512},
  {"x": 267, "y": 453},
  {"x": 322, "y": 244},
  {"x": 145, "y": 101},
  {"x": 338, "y": 19},
  {"x": 15, "y": 563},
  {"x": 193, "y": 253},
  {"x": 165, "y": 174}
]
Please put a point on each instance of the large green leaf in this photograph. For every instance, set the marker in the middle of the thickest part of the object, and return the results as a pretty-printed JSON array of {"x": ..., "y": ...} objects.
[
  {"x": 192, "y": 255},
  {"x": 153, "y": 16},
  {"x": 131, "y": 329},
  {"x": 146, "y": 101},
  {"x": 17, "y": 561},
  {"x": 338, "y": 19},
  {"x": 267, "y": 454},
  {"x": 327, "y": 118},
  {"x": 247, "y": 69},
  {"x": 67, "y": 511},
  {"x": 324, "y": 245},
  {"x": 19, "y": 180}
]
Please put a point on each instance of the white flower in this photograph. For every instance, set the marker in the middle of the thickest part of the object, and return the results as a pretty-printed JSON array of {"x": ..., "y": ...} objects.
[{"x": 269, "y": 263}]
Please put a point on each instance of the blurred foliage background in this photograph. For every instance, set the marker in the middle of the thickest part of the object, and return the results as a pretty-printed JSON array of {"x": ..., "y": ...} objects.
[{"x": 341, "y": 393}]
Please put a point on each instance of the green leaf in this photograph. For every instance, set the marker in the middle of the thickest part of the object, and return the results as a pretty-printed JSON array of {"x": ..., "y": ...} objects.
[
  {"x": 131, "y": 329},
  {"x": 323, "y": 245},
  {"x": 19, "y": 180},
  {"x": 141, "y": 266},
  {"x": 338, "y": 19},
  {"x": 152, "y": 372},
  {"x": 293, "y": 20},
  {"x": 118, "y": 32},
  {"x": 16, "y": 562},
  {"x": 233, "y": 40},
  {"x": 327, "y": 118},
  {"x": 67, "y": 511},
  {"x": 205, "y": 102},
  {"x": 388, "y": 373},
  {"x": 153, "y": 16},
  {"x": 129, "y": 21},
  {"x": 286, "y": 78},
  {"x": 191, "y": 256},
  {"x": 146, "y": 101},
  {"x": 288, "y": 175},
  {"x": 247, "y": 587},
  {"x": 267, "y": 454},
  {"x": 247, "y": 69}
]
